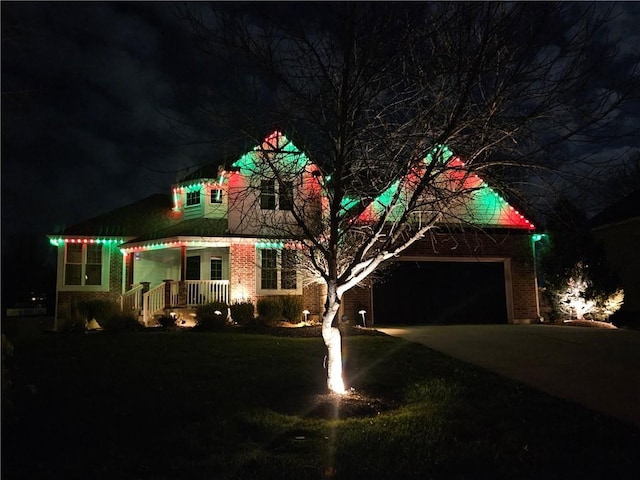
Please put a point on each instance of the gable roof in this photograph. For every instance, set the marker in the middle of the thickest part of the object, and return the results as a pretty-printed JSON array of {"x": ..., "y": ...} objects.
[
  {"x": 154, "y": 218},
  {"x": 477, "y": 204}
]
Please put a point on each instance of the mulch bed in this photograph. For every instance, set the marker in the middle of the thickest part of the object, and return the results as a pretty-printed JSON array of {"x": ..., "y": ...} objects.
[{"x": 309, "y": 332}]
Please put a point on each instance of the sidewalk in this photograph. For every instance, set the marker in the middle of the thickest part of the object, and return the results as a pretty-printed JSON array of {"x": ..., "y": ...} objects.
[{"x": 598, "y": 368}]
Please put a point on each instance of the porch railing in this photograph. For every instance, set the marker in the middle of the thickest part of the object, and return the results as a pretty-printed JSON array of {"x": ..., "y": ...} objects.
[
  {"x": 153, "y": 302},
  {"x": 189, "y": 293},
  {"x": 131, "y": 300},
  {"x": 200, "y": 292}
]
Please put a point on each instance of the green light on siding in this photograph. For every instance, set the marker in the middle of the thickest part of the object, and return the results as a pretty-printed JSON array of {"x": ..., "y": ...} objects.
[
  {"x": 386, "y": 197},
  {"x": 287, "y": 155}
]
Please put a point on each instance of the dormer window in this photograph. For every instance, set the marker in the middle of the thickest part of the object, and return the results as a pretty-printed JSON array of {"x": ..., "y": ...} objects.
[
  {"x": 216, "y": 195},
  {"x": 193, "y": 198}
]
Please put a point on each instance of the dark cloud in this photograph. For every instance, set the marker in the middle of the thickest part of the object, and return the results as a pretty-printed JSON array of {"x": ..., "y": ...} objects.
[{"x": 94, "y": 114}]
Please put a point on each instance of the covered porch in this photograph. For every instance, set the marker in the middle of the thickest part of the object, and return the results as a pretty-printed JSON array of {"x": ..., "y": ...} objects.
[{"x": 177, "y": 273}]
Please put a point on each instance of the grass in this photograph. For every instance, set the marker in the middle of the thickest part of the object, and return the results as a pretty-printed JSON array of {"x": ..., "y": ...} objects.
[{"x": 188, "y": 405}]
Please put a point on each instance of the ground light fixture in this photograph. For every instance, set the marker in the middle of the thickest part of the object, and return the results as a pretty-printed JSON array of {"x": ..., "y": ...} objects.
[{"x": 362, "y": 314}]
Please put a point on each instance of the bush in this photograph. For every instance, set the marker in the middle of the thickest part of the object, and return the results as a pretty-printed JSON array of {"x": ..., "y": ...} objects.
[
  {"x": 73, "y": 324},
  {"x": 120, "y": 322},
  {"x": 167, "y": 322},
  {"x": 212, "y": 316},
  {"x": 243, "y": 313},
  {"x": 269, "y": 311},
  {"x": 292, "y": 307},
  {"x": 100, "y": 310}
]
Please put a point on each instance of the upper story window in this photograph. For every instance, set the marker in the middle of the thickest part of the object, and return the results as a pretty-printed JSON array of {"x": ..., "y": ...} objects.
[
  {"x": 285, "y": 196},
  {"x": 216, "y": 195},
  {"x": 83, "y": 264},
  {"x": 276, "y": 195},
  {"x": 193, "y": 198},
  {"x": 268, "y": 194}
]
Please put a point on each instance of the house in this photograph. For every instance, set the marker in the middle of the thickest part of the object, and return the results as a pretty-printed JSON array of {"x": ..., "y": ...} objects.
[
  {"x": 214, "y": 239},
  {"x": 617, "y": 228}
]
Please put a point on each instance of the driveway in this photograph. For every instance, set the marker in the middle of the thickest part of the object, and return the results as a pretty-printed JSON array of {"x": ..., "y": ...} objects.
[{"x": 598, "y": 368}]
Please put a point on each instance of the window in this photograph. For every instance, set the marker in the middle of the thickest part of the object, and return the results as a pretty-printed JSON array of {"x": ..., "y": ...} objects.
[
  {"x": 270, "y": 198},
  {"x": 288, "y": 270},
  {"x": 193, "y": 198},
  {"x": 83, "y": 264},
  {"x": 285, "y": 196},
  {"x": 268, "y": 194},
  {"x": 216, "y": 196},
  {"x": 216, "y": 268},
  {"x": 278, "y": 270},
  {"x": 269, "y": 272}
]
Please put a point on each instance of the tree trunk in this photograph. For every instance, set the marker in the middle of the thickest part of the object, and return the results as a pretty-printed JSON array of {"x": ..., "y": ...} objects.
[{"x": 333, "y": 341}]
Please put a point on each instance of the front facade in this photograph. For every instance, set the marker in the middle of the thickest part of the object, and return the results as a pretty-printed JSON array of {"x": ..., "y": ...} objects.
[{"x": 218, "y": 237}]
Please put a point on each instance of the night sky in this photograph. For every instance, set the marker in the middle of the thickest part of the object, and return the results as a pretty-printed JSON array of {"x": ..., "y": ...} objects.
[{"x": 101, "y": 107}]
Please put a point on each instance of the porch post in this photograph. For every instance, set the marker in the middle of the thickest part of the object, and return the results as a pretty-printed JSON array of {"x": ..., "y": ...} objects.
[
  {"x": 129, "y": 276},
  {"x": 183, "y": 263},
  {"x": 167, "y": 293},
  {"x": 182, "y": 286}
]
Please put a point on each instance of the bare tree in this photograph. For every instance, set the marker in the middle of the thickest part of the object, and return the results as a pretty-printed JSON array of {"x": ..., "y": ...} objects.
[{"x": 380, "y": 95}]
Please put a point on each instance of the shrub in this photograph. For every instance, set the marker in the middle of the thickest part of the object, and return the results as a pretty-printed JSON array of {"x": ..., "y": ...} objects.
[
  {"x": 578, "y": 298},
  {"x": 269, "y": 311},
  {"x": 167, "y": 322},
  {"x": 101, "y": 310},
  {"x": 73, "y": 324},
  {"x": 212, "y": 316},
  {"x": 120, "y": 322},
  {"x": 292, "y": 307},
  {"x": 243, "y": 313}
]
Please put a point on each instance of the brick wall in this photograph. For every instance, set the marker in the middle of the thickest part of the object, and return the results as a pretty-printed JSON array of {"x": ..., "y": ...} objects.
[
  {"x": 313, "y": 297},
  {"x": 356, "y": 299},
  {"x": 242, "y": 278}
]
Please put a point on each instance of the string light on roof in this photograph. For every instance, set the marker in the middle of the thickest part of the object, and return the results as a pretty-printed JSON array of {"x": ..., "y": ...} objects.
[{"x": 57, "y": 242}]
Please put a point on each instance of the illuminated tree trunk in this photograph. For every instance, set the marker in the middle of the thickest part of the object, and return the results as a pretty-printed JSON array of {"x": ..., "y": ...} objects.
[{"x": 333, "y": 341}]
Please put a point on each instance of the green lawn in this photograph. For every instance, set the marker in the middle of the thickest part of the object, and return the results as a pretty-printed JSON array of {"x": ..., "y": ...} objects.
[{"x": 157, "y": 405}]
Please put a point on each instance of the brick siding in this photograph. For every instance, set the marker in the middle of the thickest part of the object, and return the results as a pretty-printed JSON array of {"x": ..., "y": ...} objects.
[{"x": 242, "y": 277}]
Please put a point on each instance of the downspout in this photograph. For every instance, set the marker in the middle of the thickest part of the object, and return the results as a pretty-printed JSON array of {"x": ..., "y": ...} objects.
[{"x": 535, "y": 238}]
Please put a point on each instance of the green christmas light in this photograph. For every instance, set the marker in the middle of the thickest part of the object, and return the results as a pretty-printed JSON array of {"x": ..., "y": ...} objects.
[
  {"x": 270, "y": 245},
  {"x": 287, "y": 154}
]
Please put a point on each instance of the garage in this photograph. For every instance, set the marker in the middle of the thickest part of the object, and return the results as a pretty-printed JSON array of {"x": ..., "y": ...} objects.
[{"x": 441, "y": 293}]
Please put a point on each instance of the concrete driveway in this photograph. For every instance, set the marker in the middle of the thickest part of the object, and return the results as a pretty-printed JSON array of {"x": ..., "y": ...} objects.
[{"x": 598, "y": 368}]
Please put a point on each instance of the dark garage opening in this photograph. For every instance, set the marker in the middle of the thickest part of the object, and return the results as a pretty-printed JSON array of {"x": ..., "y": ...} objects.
[{"x": 441, "y": 293}]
